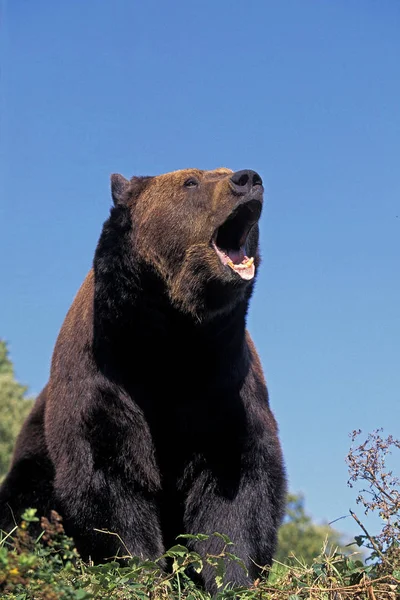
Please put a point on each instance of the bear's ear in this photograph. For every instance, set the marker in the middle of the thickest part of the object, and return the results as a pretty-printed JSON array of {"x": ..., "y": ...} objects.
[{"x": 119, "y": 187}]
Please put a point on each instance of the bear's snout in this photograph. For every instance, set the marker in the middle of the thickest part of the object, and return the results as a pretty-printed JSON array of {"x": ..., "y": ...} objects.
[{"x": 245, "y": 182}]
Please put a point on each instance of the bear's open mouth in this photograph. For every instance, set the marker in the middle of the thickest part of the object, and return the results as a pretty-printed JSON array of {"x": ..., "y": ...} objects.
[{"x": 229, "y": 240}]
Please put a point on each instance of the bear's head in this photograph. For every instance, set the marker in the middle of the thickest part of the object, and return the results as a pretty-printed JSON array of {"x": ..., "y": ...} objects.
[{"x": 198, "y": 231}]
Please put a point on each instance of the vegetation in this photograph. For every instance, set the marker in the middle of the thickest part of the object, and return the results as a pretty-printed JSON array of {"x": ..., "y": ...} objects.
[
  {"x": 50, "y": 569},
  {"x": 311, "y": 562},
  {"x": 14, "y": 407},
  {"x": 367, "y": 465},
  {"x": 300, "y": 538}
]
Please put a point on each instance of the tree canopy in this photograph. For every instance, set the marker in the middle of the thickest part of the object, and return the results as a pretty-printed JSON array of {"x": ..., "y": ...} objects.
[
  {"x": 300, "y": 537},
  {"x": 14, "y": 407}
]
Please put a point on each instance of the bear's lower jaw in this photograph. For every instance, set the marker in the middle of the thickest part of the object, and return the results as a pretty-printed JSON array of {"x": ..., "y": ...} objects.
[{"x": 237, "y": 261}]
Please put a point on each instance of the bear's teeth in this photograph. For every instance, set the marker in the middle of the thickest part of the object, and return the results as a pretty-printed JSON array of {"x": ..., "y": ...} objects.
[
  {"x": 245, "y": 265},
  {"x": 240, "y": 266}
]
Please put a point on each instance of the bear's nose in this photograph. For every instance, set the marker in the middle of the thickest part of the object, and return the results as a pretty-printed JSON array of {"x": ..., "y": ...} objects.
[{"x": 242, "y": 182}]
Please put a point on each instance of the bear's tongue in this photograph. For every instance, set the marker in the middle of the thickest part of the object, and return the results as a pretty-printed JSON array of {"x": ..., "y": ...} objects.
[
  {"x": 237, "y": 261},
  {"x": 236, "y": 256}
]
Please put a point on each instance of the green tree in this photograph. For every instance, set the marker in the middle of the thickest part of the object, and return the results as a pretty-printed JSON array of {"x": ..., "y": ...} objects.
[
  {"x": 300, "y": 537},
  {"x": 14, "y": 407}
]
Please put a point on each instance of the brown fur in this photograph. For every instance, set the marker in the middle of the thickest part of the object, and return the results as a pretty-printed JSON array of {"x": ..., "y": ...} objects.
[{"x": 156, "y": 417}]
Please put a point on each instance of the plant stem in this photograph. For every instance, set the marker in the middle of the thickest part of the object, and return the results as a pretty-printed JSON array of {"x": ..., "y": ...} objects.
[{"x": 375, "y": 547}]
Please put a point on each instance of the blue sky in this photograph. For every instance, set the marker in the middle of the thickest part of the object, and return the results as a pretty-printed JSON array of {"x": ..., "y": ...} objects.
[{"x": 305, "y": 92}]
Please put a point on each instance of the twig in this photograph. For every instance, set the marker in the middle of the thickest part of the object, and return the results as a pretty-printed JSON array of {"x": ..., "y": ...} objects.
[
  {"x": 129, "y": 555},
  {"x": 370, "y": 591},
  {"x": 380, "y": 488},
  {"x": 376, "y": 548},
  {"x": 9, "y": 534},
  {"x": 338, "y": 519}
]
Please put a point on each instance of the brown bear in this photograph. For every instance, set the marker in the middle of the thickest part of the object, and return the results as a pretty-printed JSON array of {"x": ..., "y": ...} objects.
[{"x": 155, "y": 420}]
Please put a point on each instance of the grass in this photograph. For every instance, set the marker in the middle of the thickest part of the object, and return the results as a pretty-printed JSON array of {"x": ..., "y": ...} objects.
[{"x": 49, "y": 568}]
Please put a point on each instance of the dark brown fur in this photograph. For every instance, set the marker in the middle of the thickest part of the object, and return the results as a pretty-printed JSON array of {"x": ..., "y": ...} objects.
[{"x": 156, "y": 419}]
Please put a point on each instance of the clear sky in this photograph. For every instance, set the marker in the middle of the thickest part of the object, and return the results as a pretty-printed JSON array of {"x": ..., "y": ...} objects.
[{"x": 305, "y": 92}]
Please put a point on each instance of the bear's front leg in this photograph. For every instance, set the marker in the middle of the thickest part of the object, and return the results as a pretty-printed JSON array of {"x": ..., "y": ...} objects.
[
  {"x": 246, "y": 505},
  {"x": 106, "y": 477},
  {"x": 29, "y": 483},
  {"x": 107, "y": 517}
]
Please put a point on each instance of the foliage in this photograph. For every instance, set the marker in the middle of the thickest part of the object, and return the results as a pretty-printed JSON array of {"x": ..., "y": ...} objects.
[
  {"x": 14, "y": 407},
  {"x": 367, "y": 463},
  {"x": 50, "y": 569},
  {"x": 301, "y": 538}
]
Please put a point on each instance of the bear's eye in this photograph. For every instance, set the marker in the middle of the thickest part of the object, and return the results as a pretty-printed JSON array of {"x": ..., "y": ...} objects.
[{"x": 191, "y": 182}]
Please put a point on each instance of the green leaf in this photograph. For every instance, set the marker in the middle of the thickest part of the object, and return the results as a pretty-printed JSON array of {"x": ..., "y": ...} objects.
[
  {"x": 177, "y": 550},
  {"x": 220, "y": 572},
  {"x": 82, "y": 595},
  {"x": 29, "y": 515},
  {"x": 318, "y": 568},
  {"x": 190, "y": 536},
  {"x": 359, "y": 539},
  {"x": 237, "y": 560},
  {"x": 197, "y": 565},
  {"x": 224, "y": 537}
]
